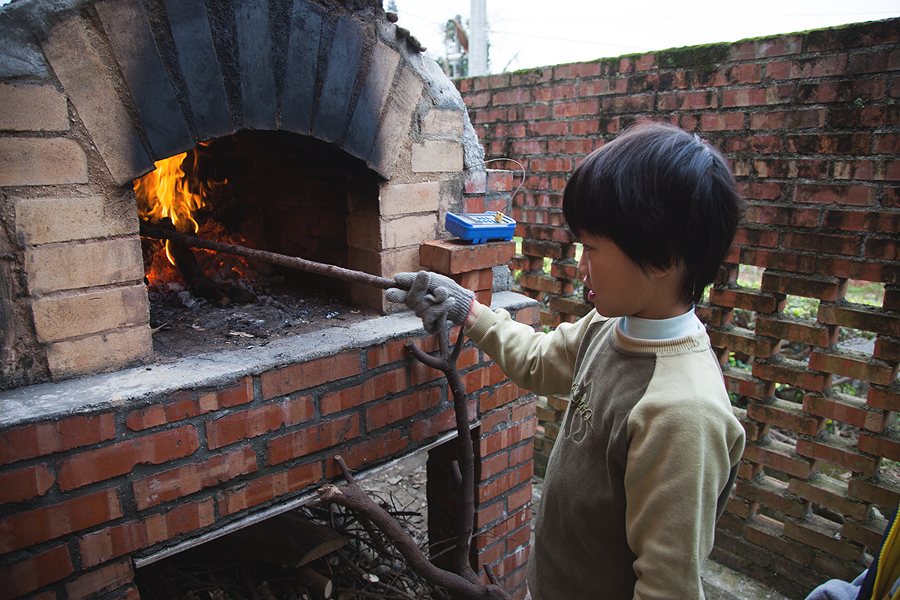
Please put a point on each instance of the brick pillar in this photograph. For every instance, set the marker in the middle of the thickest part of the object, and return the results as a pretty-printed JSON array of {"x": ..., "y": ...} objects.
[{"x": 470, "y": 265}]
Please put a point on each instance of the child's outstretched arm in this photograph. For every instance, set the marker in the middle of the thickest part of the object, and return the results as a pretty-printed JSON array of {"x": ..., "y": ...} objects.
[{"x": 436, "y": 299}]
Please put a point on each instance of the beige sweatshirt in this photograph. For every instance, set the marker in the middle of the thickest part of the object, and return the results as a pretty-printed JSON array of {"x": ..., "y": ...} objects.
[{"x": 643, "y": 464}]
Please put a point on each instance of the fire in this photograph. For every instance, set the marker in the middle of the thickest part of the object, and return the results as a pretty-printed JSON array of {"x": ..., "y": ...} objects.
[
  {"x": 164, "y": 193},
  {"x": 177, "y": 192}
]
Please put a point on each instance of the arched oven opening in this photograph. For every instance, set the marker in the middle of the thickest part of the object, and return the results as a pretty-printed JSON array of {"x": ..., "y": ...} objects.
[{"x": 273, "y": 191}]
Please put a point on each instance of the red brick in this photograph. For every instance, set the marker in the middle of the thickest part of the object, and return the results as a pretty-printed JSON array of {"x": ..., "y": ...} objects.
[
  {"x": 773, "y": 494},
  {"x": 505, "y": 438},
  {"x": 791, "y": 169},
  {"x": 105, "y": 579},
  {"x": 742, "y": 340},
  {"x": 240, "y": 393},
  {"x": 391, "y": 411},
  {"x": 845, "y": 409},
  {"x": 823, "y": 243},
  {"x": 785, "y": 415},
  {"x": 47, "y": 523},
  {"x": 828, "y": 289},
  {"x": 857, "y": 317},
  {"x": 35, "y": 572},
  {"x": 780, "y": 457},
  {"x": 829, "y": 493},
  {"x": 769, "y": 534},
  {"x": 788, "y": 119},
  {"x": 489, "y": 467},
  {"x": 312, "y": 439},
  {"x": 340, "y": 400},
  {"x": 857, "y": 269},
  {"x": 743, "y": 383},
  {"x": 887, "y": 350},
  {"x": 439, "y": 423},
  {"x": 266, "y": 488},
  {"x": 309, "y": 374},
  {"x": 252, "y": 423},
  {"x": 182, "y": 481},
  {"x": 824, "y": 66},
  {"x": 449, "y": 257},
  {"x": 837, "y": 453},
  {"x": 146, "y": 418},
  {"x": 746, "y": 298},
  {"x": 796, "y": 330},
  {"x": 888, "y": 448},
  {"x": 793, "y": 373},
  {"x": 112, "y": 542},
  {"x": 873, "y": 492},
  {"x": 46, "y": 438},
  {"x": 835, "y": 143},
  {"x": 25, "y": 484},
  {"x": 853, "y": 365},
  {"x": 627, "y": 104},
  {"x": 368, "y": 451},
  {"x": 823, "y": 535},
  {"x": 119, "y": 459}
]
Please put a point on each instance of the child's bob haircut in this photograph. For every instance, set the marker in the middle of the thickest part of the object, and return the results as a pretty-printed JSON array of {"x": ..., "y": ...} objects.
[{"x": 663, "y": 196}]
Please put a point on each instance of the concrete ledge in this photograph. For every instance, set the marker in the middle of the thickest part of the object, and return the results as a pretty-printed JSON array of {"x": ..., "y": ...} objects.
[{"x": 89, "y": 394}]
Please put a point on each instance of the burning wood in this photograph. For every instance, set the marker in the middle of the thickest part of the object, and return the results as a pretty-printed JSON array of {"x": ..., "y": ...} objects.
[{"x": 293, "y": 262}]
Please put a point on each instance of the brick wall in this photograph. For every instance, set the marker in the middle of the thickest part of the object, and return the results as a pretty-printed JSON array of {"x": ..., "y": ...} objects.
[
  {"x": 810, "y": 124},
  {"x": 145, "y": 462}
]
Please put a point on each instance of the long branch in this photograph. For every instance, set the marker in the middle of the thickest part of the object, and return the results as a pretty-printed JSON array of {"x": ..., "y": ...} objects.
[
  {"x": 446, "y": 363},
  {"x": 293, "y": 262},
  {"x": 355, "y": 499}
]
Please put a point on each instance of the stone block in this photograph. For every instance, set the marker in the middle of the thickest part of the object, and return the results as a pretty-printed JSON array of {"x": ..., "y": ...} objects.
[
  {"x": 409, "y": 198},
  {"x": 83, "y": 76},
  {"x": 340, "y": 75},
  {"x": 59, "y": 267},
  {"x": 100, "y": 352},
  {"x": 47, "y": 220},
  {"x": 373, "y": 96},
  {"x": 300, "y": 75},
  {"x": 395, "y": 126},
  {"x": 32, "y": 108},
  {"x": 408, "y": 231},
  {"x": 61, "y": 317},
  {"x": 444, "y": 122},
  {"x": 189, "y": 23},
  {"x": 128, "y": 30},
  {"x": 254, "y": 40},
  {"x": 34, "y": 161},
  {"x": 437, "y": 157}
]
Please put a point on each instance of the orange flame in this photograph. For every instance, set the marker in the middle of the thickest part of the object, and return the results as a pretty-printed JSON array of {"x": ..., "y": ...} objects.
[{"x": 164, "y": 193}]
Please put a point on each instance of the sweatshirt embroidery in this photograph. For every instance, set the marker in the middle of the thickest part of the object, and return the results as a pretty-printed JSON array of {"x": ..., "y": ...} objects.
[{"x": 580, "y": 412}]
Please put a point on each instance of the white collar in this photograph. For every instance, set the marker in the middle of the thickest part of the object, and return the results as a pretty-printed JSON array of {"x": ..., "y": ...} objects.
[{"x": 661, "y": 329}]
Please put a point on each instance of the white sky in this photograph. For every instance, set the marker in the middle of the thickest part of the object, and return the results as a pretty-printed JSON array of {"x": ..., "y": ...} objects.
[{"x": 533, "y": 33}]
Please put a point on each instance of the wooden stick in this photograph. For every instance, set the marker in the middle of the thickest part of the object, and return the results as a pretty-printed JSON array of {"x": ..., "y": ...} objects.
[{"x": 283, "y": 260}]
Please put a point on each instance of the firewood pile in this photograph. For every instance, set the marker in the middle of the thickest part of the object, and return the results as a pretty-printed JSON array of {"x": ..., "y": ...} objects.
[{"x": 312, "y": 553}]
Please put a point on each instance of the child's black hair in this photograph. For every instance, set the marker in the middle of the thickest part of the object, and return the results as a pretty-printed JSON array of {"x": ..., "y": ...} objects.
[{"x": 663, "y": 196}]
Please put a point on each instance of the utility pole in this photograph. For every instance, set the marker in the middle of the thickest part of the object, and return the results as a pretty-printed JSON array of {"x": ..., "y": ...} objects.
[{"x": 478, "y": 39}]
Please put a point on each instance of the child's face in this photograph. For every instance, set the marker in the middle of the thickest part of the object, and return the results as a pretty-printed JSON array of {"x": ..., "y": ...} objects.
[{"x": 619, "y": 287}]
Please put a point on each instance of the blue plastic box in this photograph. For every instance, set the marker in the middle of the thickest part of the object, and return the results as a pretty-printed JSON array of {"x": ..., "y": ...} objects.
[{"x": 478, "y": 228}]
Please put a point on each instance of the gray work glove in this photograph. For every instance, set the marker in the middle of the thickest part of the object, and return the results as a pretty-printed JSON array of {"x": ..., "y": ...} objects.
[{"x": 433, "y": 297}]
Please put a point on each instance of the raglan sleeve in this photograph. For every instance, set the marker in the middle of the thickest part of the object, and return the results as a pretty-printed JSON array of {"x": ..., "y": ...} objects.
[
  {"x": 543, "y": 363},
  {"x": 681, "y": 456}
]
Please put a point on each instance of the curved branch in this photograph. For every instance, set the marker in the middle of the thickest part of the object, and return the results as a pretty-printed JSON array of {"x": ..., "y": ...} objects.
[{"x": 355, "y": 499}]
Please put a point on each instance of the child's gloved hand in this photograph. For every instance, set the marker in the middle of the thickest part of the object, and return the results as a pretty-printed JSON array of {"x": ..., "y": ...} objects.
[{"x": 433, "y": 297}]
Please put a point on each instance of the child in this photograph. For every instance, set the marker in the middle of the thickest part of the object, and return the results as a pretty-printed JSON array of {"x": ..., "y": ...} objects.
[{"x": 649, "y": 446}]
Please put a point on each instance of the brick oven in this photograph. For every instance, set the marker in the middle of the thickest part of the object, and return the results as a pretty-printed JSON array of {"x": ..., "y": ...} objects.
[{"x": 110, "y": 458}]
